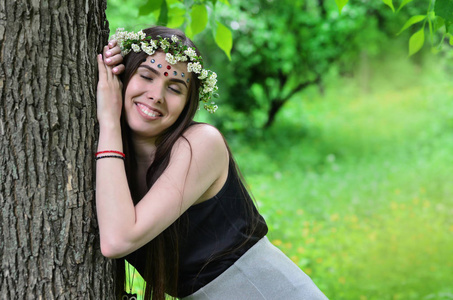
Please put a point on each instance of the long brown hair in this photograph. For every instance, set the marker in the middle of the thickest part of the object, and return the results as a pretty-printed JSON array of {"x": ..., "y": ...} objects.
[{"x": 162, "y": 257}]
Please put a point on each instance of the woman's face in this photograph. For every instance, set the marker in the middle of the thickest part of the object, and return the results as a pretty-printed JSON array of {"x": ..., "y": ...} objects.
[{"x": 156, "y": 95}]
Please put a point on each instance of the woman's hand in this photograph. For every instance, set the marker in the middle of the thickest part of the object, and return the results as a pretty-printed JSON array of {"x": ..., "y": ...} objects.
[
  {"x": 113, "y": 57},
  {"x": 109, "y": 97}
]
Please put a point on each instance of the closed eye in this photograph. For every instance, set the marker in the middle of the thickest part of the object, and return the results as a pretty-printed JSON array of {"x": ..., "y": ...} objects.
[
  {"x": 175, "y": 90},
  {"x": 146, "y": 77}
]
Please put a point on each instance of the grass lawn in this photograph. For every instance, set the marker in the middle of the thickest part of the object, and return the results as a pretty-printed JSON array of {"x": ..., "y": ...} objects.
[{"x": 356, "y": 184}]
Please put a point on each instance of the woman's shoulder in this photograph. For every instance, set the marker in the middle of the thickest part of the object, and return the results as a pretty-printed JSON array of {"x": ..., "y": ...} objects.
[
  {"x": 205, "y": 133},
  {"x": 205, "y": 140}
]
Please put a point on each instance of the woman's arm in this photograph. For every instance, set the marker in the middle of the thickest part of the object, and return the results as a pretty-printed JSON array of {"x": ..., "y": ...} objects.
[{"x": 113, "y": 200}]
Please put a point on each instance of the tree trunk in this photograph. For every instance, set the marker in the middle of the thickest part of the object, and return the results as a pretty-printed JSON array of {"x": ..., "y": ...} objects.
[
  {"x": 50, "y": 247},
  {"x": 275, "y": 106},
  {"x": 277, "y": 103}
]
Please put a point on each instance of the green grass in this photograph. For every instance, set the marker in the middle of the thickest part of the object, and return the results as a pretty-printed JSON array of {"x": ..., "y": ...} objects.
[{"x": 356, "y": 184}]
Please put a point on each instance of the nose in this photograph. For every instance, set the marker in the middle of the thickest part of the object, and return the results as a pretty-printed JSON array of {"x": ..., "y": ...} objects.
[{"x": 156, "y": 93}]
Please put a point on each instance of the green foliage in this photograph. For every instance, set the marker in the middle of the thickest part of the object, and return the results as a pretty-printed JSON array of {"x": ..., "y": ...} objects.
[
  {"x": 416, "y": 41},
  {"x": 341, "y": 4},
  {"x": 403, "y": 3},
  {"x": 192, "y": 17},
  {"x": 389, "y": 3},
  {"x": 194, "y": 20},
  {"x": 356, "y": 187},
  {"x": 413, "y": 20},
  {"x": 149, "y": 7},
  {"x": 199, "y": 19},
  {"x": 444, "y": 9},
  {"x": 282, "y": 47},
  {"x": 163, "y": 14},
  {"x": 224, "y": 39},
  {"x": 439, "y": 18}
]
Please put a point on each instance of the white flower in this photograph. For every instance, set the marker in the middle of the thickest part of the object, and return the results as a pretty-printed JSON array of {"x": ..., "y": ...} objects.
[
  {"x": 152, "y": 44},
  {"x": 170, "y": 59},
  {"x": 210, "y": 108},
  {"x": 190, "y": 53},
  {"x": 131, "y": 36},
  {"x": 203, "y": 75},
  {"x": 147, "y": 49},
  {"x": 164, "y": 44},
  {"x": 194, "y": 67},
  {"x": 180, "y": 57},
  {"x": 174, "y": 38},
  {"x": 141, "y": 35},
  {"x": 135, "y": 47},
  {"x": 208, "y": 89},
  {"x": 213, "y": 76}
]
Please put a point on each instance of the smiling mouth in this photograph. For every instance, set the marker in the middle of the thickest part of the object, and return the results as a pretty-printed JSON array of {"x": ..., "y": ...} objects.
[{"x": 147, "y": 111}]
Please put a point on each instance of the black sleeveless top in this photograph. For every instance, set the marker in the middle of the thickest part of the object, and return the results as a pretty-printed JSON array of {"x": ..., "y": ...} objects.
[{"x": 217, "y": 233}]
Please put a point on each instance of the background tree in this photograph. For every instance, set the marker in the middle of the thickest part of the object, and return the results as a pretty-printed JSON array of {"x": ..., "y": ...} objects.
[
  {"x": 282, "y": 47},
  {"x": 49, "y": 247}
]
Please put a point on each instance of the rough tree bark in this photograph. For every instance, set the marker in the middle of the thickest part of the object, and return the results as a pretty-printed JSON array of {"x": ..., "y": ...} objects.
[{"x": 49, "y": 246}]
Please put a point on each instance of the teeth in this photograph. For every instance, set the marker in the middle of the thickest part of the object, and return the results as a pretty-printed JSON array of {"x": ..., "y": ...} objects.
[{"x": 147, "y": 111}]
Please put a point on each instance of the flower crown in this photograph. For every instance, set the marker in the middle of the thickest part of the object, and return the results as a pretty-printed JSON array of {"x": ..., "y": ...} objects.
[{"x": 175, "y": 52}]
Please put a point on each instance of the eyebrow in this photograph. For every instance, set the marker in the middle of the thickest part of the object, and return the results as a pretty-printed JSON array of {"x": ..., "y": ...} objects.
[{"x": 159, "y": 74}]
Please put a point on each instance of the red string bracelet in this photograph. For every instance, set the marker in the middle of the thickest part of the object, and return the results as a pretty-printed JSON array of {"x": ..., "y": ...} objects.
[{"x": 110, "y": 151}]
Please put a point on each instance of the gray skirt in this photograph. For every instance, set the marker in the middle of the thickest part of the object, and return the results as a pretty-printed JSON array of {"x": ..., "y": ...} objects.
[{"x": 263, "y": 272}]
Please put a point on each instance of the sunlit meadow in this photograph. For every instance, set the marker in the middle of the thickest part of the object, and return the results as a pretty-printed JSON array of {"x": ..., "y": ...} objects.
[{"x": 356, "y": 183}]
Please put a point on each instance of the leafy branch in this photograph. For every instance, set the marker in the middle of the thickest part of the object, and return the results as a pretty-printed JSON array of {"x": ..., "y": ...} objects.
[
  {"x": 192, "y": 17},
  {"x": 439, "y": 18}
]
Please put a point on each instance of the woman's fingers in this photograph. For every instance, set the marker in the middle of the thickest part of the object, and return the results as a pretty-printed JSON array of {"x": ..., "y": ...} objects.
[
  {"x": 101, "y": 68},
  {"x": 114, "y": 48},
  {"x": 112, "y": 43},
  {"x": 105, "y": 71},
  {"x": 114, "y": 60},
  {"x": 118, "y": 69},
  {"x": 113, "y": 57}
]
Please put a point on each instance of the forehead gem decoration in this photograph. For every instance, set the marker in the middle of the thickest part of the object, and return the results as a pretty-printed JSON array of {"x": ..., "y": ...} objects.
[
  {"x": 166, "y": 73},
  {"x": 153, "y": 60},
  {"x": 175, "y": 73},
  {"x": 182, "y": 74},
  {"x": 168, "y": 67},
  {"x": 159, "y": 66}
]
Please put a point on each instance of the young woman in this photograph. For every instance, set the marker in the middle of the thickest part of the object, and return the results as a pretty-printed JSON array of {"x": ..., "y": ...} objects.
[{"x": 169, "y": 196}]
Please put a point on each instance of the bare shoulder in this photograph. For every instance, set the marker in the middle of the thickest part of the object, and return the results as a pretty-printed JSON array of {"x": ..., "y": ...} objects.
[
  {"x": 206, "y": 135},
  {"x": 206, "y": 144},
  {"x": 204, "y": 129}
]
